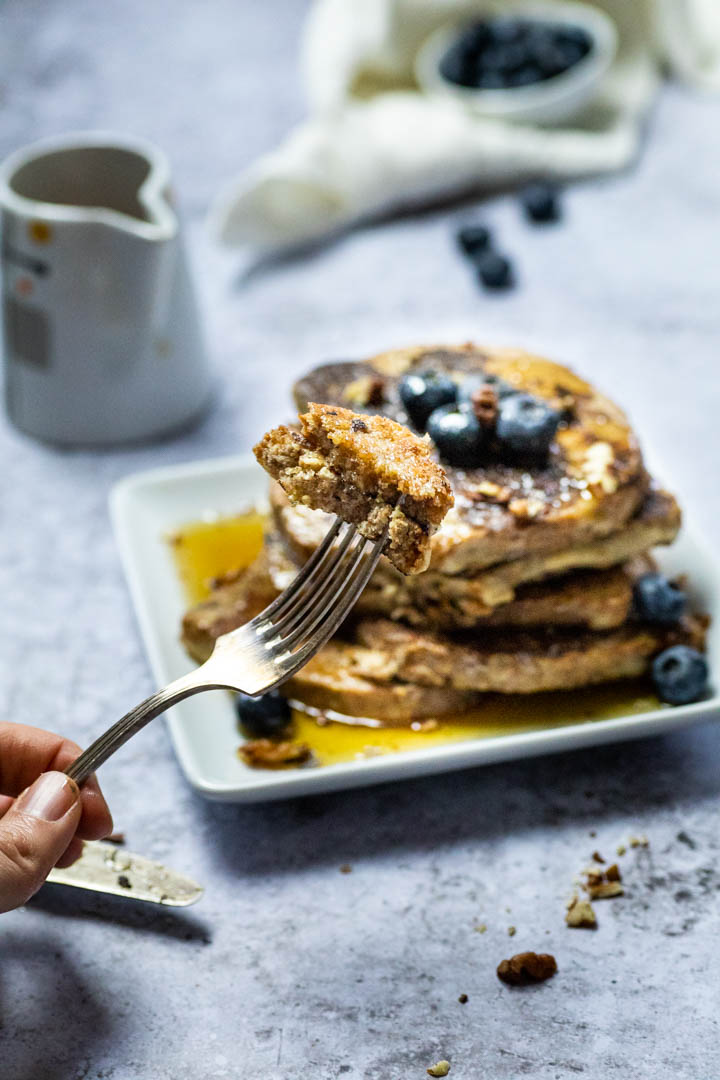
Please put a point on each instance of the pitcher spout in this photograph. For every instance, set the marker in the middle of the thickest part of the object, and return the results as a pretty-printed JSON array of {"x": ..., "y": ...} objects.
[{"x": 92, "y": 177}]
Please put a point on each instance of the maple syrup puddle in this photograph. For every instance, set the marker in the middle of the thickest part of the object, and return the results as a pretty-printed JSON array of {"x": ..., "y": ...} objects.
[{"x": 205, "y": 550}]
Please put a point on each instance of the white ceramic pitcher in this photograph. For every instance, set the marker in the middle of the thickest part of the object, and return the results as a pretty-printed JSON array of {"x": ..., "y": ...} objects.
[{"x": 101, "y": 334}]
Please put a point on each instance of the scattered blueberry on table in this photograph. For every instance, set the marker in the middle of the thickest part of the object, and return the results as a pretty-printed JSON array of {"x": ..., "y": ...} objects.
[
  {"x": 680, "y": 675},
  {"x": 474, "y": 239},
  {"x": 658, "y": 600},
  {"x": 424, "y": 392},
  {"x": 263, "y": 717},
  {"x": 540, "y": 202},
  {"x": 495, "y": 271},
  {"x": 505, "y": 53}
]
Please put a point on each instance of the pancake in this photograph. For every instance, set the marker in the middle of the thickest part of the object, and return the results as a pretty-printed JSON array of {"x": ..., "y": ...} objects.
[
  {"x": 592, "y": 483},
  {"x": 598, "y": 599},
  {"x": 332, "y": 682},
  {"x": 236, "y": 598},
  {"x": 508, "y": 662},
  {"x": 656, "y": 522}
]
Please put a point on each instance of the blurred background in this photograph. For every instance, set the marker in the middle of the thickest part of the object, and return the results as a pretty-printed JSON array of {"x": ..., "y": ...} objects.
[{"x": 620, "y": 288}]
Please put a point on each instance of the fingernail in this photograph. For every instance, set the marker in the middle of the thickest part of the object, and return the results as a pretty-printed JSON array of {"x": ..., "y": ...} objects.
[{"x": 49, "y": 798}]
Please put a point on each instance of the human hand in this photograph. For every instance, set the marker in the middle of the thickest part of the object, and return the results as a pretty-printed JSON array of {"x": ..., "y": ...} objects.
[{"x": 44, "y": 816}]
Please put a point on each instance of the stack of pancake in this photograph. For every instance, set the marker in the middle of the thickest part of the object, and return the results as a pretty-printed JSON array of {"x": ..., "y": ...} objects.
[{"x": 530, "y": 584}]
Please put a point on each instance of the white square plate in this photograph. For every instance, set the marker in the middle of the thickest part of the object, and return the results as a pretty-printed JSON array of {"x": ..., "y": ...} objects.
[{"x": 149, "y": 506}]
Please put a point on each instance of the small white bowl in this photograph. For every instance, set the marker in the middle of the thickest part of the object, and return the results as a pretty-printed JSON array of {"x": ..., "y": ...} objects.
[{"x": 546, "y": 102}]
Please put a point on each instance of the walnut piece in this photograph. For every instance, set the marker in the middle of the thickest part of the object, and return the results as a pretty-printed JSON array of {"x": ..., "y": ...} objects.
[
  {"x": 268, "y": 754},
  {"x": 605, "y": 890},
  {"x": 580, "y": 914},
  {"x": 484, "y": 403},
  {"x": 526, "y": 968},
  {"x": 601, "y": 884},
  {"x": 440, "y": 1068}
]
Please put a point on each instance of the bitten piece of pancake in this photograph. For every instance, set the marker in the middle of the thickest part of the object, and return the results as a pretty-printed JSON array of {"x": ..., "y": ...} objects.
[{"x": 369, "y": 470}]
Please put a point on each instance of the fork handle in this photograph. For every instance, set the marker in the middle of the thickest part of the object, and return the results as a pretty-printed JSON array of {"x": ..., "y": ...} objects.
[{"x": 124, "y": 729}]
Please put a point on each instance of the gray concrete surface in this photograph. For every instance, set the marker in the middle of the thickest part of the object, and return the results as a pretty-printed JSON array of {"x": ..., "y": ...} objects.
[{"x": 289, "y": 968}]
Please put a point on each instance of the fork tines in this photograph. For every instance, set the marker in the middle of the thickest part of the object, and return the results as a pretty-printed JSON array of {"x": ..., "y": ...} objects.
[{"x": 313, "y": 606}]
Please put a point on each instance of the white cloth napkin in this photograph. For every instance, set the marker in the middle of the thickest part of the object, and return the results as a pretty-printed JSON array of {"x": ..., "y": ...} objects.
[{"x": 373, "y": 142}]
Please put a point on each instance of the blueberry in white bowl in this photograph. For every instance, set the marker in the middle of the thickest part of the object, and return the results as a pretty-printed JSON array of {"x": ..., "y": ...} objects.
[
  {"x": 537, "y": 65},
  {"x": 680, "y": 675},
  {"x": 423, "y": 392}
]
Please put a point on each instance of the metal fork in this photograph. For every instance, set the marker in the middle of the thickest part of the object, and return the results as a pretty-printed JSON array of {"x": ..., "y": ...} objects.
[{"x": 271, "y": 647}]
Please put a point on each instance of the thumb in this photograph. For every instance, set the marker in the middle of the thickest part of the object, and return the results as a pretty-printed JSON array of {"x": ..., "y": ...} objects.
[{"x": 34, "y": 833}]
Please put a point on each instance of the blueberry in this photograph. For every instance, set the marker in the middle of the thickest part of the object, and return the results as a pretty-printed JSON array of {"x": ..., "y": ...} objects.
[
  {"x": 423, "y": 392},
  {"x": 458, "y": 65},
  {"x": 526, "y": 426},
  {"x": 540, "y": 202},
  {"x": 474, "y": 382},
  {"x": 495, "y": 271},
  {"x": 569, "y": 53},
  {"x": 473, "y": 238},
  {"x": 457, "y": 435},
  {"x": 477, "y": 36},
  {"x": 657, "y": 600},
  {"x": 490, "y": 80},
  {"x": 577, "y": 36},
  {"x": 552, "y": 60},
  {"x": 504, "y": 58},
  {"x": 538, "y": 37},
  {"x": 263, "y": 717},
  {"x": 526, "y": 75},
  {"x": 680, "y": 675},
  {"x": 507, "y": 30}
]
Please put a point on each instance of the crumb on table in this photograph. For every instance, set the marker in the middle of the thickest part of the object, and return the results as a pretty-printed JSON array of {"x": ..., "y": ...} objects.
[
  {"x": 526, "y": 968},
  {"x": 580, "y": 914},
  {"x": 440, "y": 1068}
]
